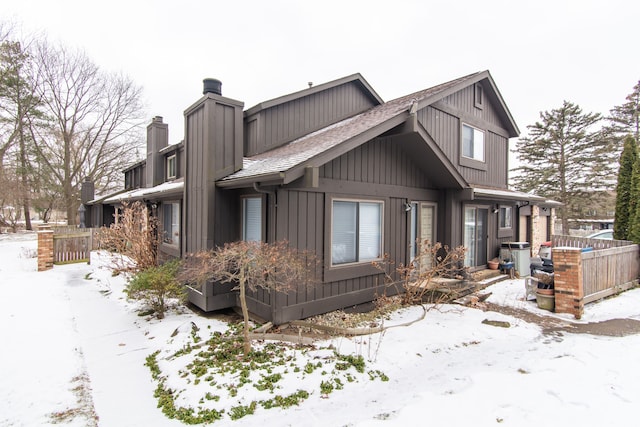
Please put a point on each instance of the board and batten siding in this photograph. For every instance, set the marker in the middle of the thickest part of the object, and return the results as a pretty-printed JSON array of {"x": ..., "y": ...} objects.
[
  {"x": 445, "y": 128},
  {"x": 303, "y": 220},
  {"x": 213, "y": 147},
  {"x": 380, "y": 161},
  {"x": 464, "y": 102},
  {"x": 274, "y": 126},
  {"x": 195, "y": 199}
]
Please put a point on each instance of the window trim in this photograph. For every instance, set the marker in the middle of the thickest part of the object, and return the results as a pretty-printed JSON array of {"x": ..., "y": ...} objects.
[
  {"x": 358, "y": 261},
  {"x": 172, "y": 247},
  {"x": 243, "y": 200},
  {"x": 415, "y": 220},
  {"x": 169, "y": 160},
  {"x": 505, "y": 209},
  {"x": 128, "y": 180},
  {"x": 470, "y": 161},
  {"x": 478, "y": 96},
  {"x": 476, "y": 131},
  {"x": 506, "y": 231}
]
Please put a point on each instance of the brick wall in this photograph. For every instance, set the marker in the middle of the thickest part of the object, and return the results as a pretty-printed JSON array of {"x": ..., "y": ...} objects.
[
  {"x": 537, "y": 230},
  {"x": 569, "y": 293},
  {"x": 45, "y": 248}
]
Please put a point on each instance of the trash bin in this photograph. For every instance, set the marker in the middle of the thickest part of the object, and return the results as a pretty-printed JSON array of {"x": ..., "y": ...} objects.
[{"x": 520, "y": 254}]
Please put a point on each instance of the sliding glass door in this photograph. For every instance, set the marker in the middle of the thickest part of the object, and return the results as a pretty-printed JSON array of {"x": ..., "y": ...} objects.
[{"x": 475, "y": 235}]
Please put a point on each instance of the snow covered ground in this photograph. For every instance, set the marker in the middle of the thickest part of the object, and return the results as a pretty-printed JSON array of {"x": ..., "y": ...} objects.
[{"x": 73, "y": 352}]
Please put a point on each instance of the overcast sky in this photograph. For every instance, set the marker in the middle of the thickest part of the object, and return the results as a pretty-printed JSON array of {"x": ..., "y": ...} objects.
[{"x": 539, "y": 53}]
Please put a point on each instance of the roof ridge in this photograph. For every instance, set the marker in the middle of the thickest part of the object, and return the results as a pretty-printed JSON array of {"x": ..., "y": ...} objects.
[{"x": 423, "y": 93}]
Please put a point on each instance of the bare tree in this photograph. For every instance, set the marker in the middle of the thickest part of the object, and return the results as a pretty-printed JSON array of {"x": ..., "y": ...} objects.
[
  {"x": 134, "y": 237},
  {"x": 251, "y": 265},
  {"x": 97, "y": 119},
  {"x": 419, "y": 278}
]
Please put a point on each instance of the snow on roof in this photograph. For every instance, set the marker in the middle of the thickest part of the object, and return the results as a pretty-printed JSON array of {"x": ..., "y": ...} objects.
[
  {"x": 506, "y": 194},
  {"x": 170, "y": 187}
]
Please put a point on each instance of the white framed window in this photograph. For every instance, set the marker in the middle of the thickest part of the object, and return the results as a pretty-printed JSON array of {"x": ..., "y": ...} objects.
[
  {"x": 171, "y": 167},
  {"x": 472, "y": 143},
  {"x": 505, "y": 219},
  {"x": 252, "y": 219},
  {"x": 356, "y": 231},
  {"x": 171, "y": 223}
]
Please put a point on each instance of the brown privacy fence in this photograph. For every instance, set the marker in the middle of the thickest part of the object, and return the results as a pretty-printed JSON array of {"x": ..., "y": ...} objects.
[
  {"x": 585, "y": 242},
  {"x": 64, "y": 245},
  {"x": 606, "y": 271},
  {"x": 587, "y": 270}
]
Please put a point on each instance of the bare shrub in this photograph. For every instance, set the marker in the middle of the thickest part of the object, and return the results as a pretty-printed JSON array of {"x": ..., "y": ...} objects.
[
  {"x": 134, "y": 237},
  {"x": 418, "y": 279},
  {"x": 251, "y": 265}
]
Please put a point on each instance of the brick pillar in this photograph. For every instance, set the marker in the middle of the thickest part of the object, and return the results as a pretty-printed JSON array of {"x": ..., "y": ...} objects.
[
  {"x": 45, "y": 248},
  {"x": 536, "y": 232},
  {"x": 569, "y": 293}
]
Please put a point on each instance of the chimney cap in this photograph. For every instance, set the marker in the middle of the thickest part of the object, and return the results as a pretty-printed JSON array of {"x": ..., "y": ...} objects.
[
  {"x": 210, "y": 85},
  {"x": 157, "y": 119}
]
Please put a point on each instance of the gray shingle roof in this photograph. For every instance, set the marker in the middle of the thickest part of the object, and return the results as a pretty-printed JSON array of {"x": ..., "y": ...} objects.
[{"x": 303, "y": 149}]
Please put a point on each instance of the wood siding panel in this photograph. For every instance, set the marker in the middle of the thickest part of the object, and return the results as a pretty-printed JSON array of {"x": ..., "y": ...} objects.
[
  {"x": 464, "y": 101},
  {"x": 380, "y": 161},
  {"x": 285, "y": 122},
  {"x": 193, "y": 206},
  {"x": 445, "y": 130},
  {"x": 302, "y": 220},
  {"x": 301, "y": 223}
]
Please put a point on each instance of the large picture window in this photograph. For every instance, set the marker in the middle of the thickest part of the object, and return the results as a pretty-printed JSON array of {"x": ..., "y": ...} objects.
[
  {"x": 252, "y": 219},
  {"x": 356, "y": 234},
  {"x": 472, "y": 143},
  {"x": 171, "y": 223}
]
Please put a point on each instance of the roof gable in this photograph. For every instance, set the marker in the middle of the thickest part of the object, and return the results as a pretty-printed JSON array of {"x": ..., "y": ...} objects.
[
  {"x": 286, "y": 163},
  {"x": 355, "y": 78}
]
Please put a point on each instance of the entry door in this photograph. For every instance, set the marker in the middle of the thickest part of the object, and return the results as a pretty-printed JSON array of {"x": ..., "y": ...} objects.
[
  {"x": 475, "y": 235},
  {"x": 422, "y": 227}
]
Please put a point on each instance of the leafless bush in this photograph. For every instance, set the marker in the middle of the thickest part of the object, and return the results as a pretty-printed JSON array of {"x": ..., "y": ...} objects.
[
  {"x": 251, "y": 265},
  {"x": 418, "y": 279},
  {"x": 133, "y": 236}
]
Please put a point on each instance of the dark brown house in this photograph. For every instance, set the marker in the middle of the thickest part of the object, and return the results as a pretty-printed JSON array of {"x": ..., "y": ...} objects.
[{"x": 333, "y": 169}]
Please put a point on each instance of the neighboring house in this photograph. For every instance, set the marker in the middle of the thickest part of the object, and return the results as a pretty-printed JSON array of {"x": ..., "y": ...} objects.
[{"x": 335, "y": 170}]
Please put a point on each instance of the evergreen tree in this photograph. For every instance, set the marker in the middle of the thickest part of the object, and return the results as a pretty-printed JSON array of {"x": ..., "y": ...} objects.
[
  {"x": 625, "y": 119},
  {"x": 20, "y": 110},
  {"x": 634, "y": 206},
  {"x": 562, "y": 158},
  {"x": 624, "y": 212}
]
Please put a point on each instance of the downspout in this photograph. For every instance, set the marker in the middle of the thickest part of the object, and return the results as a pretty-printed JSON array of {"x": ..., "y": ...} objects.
[{"x": 272, "y": 202}]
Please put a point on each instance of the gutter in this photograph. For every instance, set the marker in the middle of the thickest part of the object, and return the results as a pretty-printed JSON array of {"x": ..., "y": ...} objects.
[{"x": 275, "y": 178}]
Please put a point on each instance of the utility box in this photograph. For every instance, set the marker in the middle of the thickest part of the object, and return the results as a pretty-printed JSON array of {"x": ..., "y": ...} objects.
[{"x": 520, "y": 254}]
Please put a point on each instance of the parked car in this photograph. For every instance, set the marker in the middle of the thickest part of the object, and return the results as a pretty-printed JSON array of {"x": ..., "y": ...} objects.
[{"x": 602, "y": 234}]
